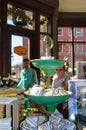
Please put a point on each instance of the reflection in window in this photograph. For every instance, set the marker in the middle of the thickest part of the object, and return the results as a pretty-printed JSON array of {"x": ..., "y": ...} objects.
[
  {"x": 16, "y": 60},
  {"x": 19, "y": 17},
  {"x": 44, "y": 21}
]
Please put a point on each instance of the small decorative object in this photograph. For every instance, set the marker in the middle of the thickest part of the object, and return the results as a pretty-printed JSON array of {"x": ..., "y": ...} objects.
[
  {"x": 20, "y": 50},
  {"x": 19, "y": 16},
  {"x": 43, "y": 20},
  {"x": 47, "y": 64},
  {"x": 48, "y": 43}
]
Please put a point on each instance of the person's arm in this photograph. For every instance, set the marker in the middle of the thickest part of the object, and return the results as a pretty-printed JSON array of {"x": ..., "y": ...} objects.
[{"x": 21, "y": 82}]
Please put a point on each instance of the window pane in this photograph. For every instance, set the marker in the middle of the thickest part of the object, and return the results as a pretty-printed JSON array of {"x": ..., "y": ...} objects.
[
  {"x": 80, "y": 51},
  {"x": 64, "y": 34},
  {"x": 16, "y": 60},
  {"x": 20, "y": 17},
  {"x": 65, "y": 52},
  {"x": 44, "y": 24},
  {"x": 42, "y": 47},
  {"x": 80, "y": 34}
]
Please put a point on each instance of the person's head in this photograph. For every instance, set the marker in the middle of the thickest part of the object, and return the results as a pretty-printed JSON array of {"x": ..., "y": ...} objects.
[
  {"x": 60, "y": 71},
  {"x": 26, "y": 63}
]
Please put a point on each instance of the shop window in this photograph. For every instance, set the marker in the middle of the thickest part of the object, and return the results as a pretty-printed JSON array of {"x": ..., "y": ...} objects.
[
  {"x": 74, "y": 42},
  {"x": 20, "y": 17}
]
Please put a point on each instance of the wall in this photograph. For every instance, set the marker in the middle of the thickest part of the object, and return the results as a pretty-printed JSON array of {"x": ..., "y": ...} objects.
[{"x": 72, "y": 5}]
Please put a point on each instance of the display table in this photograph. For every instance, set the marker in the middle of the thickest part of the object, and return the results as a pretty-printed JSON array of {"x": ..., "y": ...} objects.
[
  {"x": 13, "y": 92},
  {"x": 11, "y": 109}
]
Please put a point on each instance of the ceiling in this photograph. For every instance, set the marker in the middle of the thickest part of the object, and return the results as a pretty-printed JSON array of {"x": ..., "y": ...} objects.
[{"x": 72, "y": 5}]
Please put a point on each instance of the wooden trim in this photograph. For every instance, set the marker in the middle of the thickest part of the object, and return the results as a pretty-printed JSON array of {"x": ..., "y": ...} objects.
[
  {"x": 72, "y": 19},
  {"x": 34, "y": 4},
  {"x": 7, "y": 30}
]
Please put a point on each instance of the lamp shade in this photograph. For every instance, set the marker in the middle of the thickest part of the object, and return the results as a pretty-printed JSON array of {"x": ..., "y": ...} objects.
[{"x": 20, "y": 50}]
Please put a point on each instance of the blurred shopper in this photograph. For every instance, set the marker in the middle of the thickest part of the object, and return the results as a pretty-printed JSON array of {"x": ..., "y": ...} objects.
[
  {"x": 28, "y": 76},
  {"x": 60, "y": 79},
  {"x": 28, "y": 79}
]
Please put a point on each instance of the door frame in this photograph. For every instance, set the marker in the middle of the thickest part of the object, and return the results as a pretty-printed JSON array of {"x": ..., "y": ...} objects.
[{"x": 34, "y": 47}]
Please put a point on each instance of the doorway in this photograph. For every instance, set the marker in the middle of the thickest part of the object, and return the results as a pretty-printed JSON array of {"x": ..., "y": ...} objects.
[
  {"x": 14, "y": 61},
  {"x": 22, "y": 44}
]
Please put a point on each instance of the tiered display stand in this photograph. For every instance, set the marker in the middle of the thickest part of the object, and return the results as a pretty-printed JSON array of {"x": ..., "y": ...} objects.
[{"x": 48, "y": 66}]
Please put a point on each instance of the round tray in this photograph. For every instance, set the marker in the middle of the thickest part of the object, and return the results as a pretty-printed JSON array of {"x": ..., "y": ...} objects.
[
  {"x": 48, "y": 65},
  {"x": 49, "y": 101}
]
